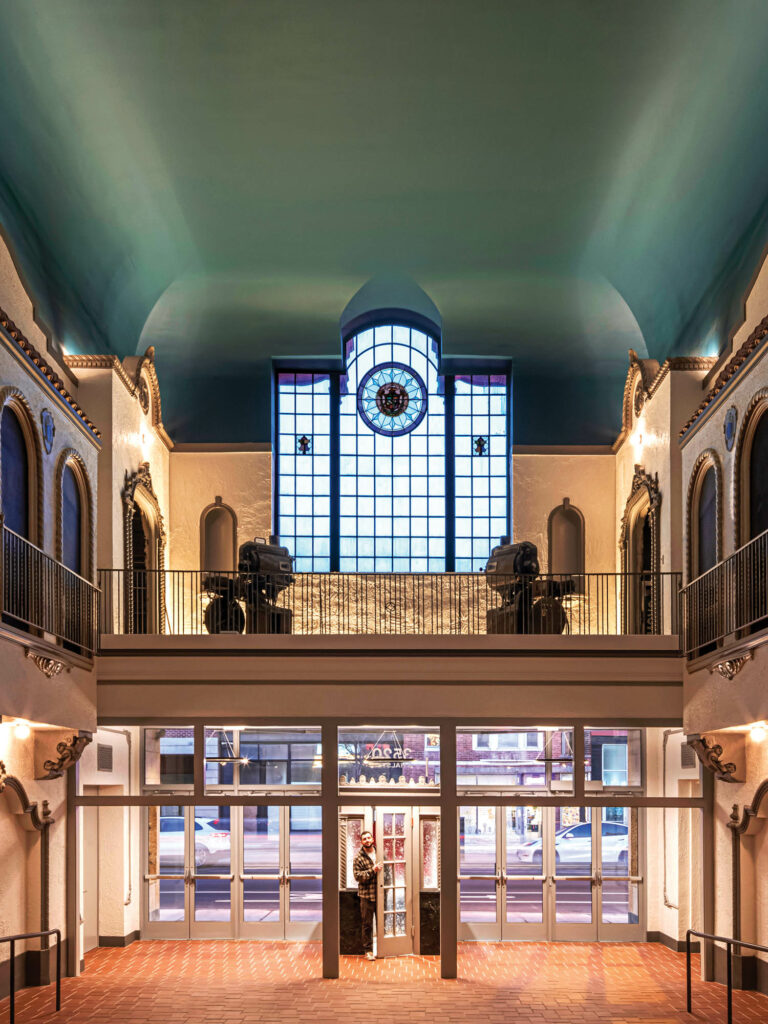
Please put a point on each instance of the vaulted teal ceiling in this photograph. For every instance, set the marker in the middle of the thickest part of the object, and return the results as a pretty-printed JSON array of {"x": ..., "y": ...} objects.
[{"x": 564, "y": 179}]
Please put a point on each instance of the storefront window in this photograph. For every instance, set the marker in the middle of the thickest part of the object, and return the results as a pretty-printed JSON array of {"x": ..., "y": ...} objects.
[
  {"x": 169, "y": 756},
  {"x": 613, "y": 758},
  {"x": 379, "y": 757},
  {"x": 525, "y": 758},
  {"x": 247, "y": 757}
]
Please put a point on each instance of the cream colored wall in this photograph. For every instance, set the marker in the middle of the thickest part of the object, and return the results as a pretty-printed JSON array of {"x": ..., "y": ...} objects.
[
  {"x": 243, "y": 480},
  {"x": 541, "y": 481},
  {"x": 20, "y": 877}
]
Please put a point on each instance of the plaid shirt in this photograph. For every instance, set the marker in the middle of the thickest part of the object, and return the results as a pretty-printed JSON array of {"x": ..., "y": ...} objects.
[{"x": 365, "y": 876}]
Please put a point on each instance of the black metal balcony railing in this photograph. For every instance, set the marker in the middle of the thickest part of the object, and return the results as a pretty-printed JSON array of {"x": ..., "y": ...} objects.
[
  {"x": 187, "y": 602},
  {"x": 42, "y": 596},
  {"x": 728, "y": 600}
]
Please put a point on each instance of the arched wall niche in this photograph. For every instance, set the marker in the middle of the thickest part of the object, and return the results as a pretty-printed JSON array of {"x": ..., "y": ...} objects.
[
  {"x": 218, "y": 537},
  {"x": 144, "y": 574},
  {"x": 755, "y": 418},
  {"x": 566, "y": 539},
  {"x": 640, "y": 551},
  {"x": 745, "y": 827},
  {"x": 14, "y": 400},
  {"x": 707, "y": 461},
  {"x": 70, "y": 458}
]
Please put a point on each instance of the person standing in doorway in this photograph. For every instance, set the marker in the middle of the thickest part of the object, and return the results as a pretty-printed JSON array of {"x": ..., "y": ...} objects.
[{"x": 365, "y": 869}]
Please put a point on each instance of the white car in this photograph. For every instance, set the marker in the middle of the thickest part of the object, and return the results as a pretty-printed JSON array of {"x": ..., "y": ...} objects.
[
  {"x": 574, "y": 844},
  {"x": 212, "y": 845}
]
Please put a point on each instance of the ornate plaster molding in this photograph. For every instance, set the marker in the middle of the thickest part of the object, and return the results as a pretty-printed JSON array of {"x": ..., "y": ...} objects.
[
  {"x": 749, "y": 821},
  {"x": 12, "y": 396},
  {"x": 29, "y": 350},
  {"x": 730, "y": 669},
  {"x": 69, "y": 754},
  {"x": 710, "y": 755},
  {"x": 39, "y": 819},
  {"x": 644, "y": 489},
  {"x": 740, "y": 483},
  {"x": 143, "y": 384},
  {"x": 732, "y": 367},
  {"x": 707, "y": 458},
  {"x": 138, "y": 486},
  {"x": 50, "y": 667}
]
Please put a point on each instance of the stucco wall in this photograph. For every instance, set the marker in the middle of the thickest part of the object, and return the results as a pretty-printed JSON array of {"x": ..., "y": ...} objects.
[
  {"x": 541, "y": 481},
  {"x": 243, "y": 481}
]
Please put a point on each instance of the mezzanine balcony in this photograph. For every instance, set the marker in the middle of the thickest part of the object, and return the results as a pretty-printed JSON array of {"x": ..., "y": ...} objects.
[
  {"x": 43, "y": 599},
  {"x": 727, "y": 604},
  {"x": 195, "y": 603}
]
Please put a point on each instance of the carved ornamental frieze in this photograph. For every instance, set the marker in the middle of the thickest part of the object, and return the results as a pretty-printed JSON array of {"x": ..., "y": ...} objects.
[{"x": 70, "y": 752}]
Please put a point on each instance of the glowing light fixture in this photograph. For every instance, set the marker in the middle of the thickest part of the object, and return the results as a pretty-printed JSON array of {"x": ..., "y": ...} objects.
[
  {"x": 758, "y": 732},
  {"x": 21, "y": 730}
]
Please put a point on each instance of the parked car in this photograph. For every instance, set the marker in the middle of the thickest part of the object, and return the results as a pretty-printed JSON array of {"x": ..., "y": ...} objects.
[
  {"x": 212, "y": 845},
  {"x": 574, "y": 844}
]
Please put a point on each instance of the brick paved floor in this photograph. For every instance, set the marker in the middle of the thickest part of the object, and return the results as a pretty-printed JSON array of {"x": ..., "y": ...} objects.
[{"x": 254, "y": 982}]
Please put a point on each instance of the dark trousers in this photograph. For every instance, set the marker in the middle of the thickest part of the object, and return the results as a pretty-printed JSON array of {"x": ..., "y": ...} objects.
[{"x": 367, "y": 913}]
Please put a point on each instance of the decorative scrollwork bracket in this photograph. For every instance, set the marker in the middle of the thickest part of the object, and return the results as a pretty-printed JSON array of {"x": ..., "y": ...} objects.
[
  {"x": 710, "y": 755},
  {"x": 69, "y": 752},
  {"x": 730, "y": 669},
  {"x": 48, "y": 666}
]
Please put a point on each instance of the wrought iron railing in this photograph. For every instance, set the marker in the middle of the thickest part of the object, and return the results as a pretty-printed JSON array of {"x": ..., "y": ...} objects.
[
  {"x": 41, "y": 596},
  {"x": 729, "y": 600},
  {"x": 194, "y": 602},
  {"x": 729, "y": 946},
  {"x": 13, "y": 939}
]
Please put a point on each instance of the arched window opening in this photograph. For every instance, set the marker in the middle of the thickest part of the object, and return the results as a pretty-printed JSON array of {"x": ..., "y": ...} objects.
[
  {"x": 141, "y": 556},
  {"x": 566, "y": 540},
  {"x": 15, "y": 474},
  {"x": 706, "y": 525},
  {"x": 218, "y": 539},
  {"x": 758, "y": 479},
  {"x": 71, "y": 522}
]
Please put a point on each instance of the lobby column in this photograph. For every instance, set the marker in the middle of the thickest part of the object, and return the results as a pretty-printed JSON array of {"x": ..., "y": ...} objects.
[
  {"x": 330, "y": 850},
  {"x": 449, "y": 911}
]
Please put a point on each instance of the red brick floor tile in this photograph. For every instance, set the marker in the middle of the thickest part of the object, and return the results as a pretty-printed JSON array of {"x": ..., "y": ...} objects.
[{"x": 276, "y": 983}]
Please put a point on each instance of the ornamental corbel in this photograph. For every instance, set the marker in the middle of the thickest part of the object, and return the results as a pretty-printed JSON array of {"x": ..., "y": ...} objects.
[
  {"x": 50, "y": 667},
  {"x": 730, "y": 669},
  {"x": 69, "y": 752},
  {"x": 710, "y": 755}
]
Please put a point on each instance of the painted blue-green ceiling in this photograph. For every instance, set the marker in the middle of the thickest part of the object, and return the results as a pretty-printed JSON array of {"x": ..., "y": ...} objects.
[{"x": 565, "y": 179}]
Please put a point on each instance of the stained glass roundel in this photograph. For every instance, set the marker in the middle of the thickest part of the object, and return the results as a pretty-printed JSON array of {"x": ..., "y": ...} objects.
[{"x": 392, "y": 399}]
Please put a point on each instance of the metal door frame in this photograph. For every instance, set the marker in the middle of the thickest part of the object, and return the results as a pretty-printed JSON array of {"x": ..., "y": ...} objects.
[
  {"x": 164, "y": 929},
  {"x": 211, "y": 929},
  {"x": 535, "y": 931},
  {"x": 480, "y": 931}
]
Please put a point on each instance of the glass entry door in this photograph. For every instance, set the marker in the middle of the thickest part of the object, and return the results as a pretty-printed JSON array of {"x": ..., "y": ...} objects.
[
  {"x": 394, "y": 906},
  {"x": 281, "y": 880},
  {"x": 595, "y": 877},
  {"x": 188, "y": 877},
  {"x": 545, "y": 873},
  {"x": 501, "y": 877}
]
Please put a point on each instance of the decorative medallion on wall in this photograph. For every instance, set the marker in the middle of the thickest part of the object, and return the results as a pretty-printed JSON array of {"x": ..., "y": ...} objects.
[
  {"x": 142, "y": 391},
  {"x": 49, "y": 429},
  {"x": 480, "y": 446},
  {"x": 729, "y": 427},
  {"x": 392, "y": 399},
  {"x": 303, "y": 444}
]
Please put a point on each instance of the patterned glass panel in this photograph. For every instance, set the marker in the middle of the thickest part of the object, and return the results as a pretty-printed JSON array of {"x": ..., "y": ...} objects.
[
  {"x": 481, "y": 468},
  {"x": 304, "y": 465}
]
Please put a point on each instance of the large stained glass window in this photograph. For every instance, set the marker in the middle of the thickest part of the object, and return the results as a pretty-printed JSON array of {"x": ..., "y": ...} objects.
[
  {"x": 481, "y": 467},
  {"x": 387, "y": 465},
  {"x": 392, "y": 454},
  {"x": 303, "y": 452}
]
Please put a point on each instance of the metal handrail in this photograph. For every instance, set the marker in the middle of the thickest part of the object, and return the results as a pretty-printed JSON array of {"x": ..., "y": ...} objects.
[
  {"x": 191, "y": 602},
  {"x": 13, "y": 939},
  {"x": 730, "y": 943}
]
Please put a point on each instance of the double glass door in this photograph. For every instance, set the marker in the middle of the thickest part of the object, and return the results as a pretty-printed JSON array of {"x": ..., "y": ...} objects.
[
  {"x": 547, "y": 873},
  {"x": 232, "y": 871}
]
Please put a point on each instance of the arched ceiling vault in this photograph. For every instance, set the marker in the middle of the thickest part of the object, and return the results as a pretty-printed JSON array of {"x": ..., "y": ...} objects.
[{"x": 564, "y": 180}]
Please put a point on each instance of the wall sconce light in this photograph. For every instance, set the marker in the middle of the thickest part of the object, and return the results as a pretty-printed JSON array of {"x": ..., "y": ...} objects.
[
  {"x": 758, "y": 732},
  {"x": 21, "y": 730}
]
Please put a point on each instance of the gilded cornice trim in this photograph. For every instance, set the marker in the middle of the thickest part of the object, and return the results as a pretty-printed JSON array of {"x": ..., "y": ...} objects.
[
  {"x": 50, "y": 375},
  {"x": 651, "y": 376},
  {"x": 731, "y": 368},
  {"x": 707, "y": 458},
  {"x": 133, "y": 384}
]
